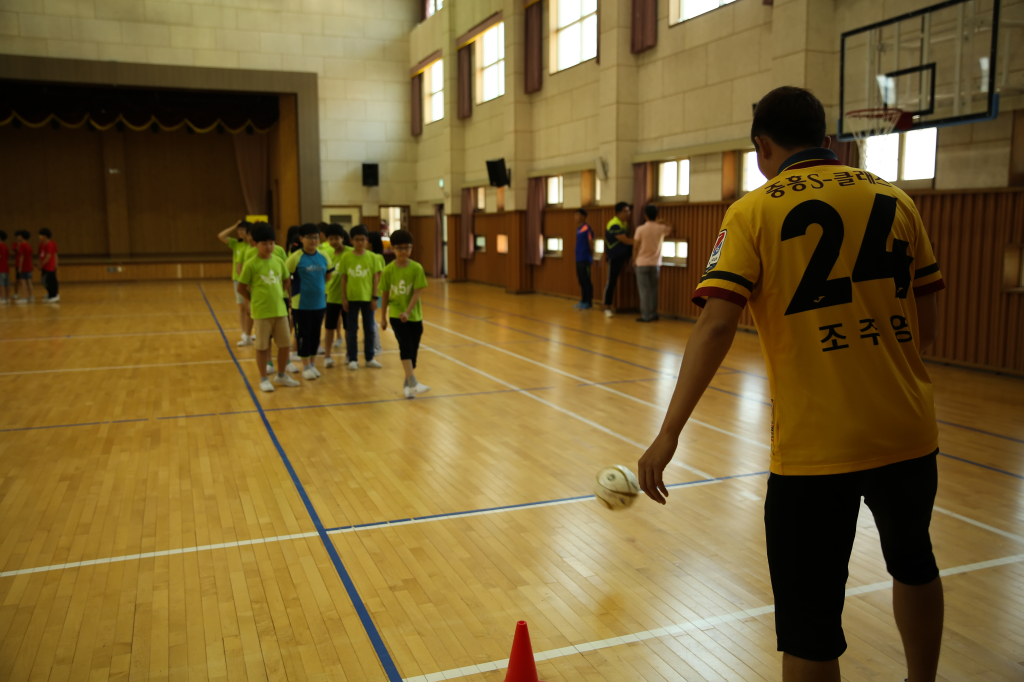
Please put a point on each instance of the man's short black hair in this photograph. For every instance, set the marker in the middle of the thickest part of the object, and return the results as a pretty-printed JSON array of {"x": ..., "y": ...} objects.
[
  {"x": 791, "y": 117},
  {"x": 23, "y": 234},
  {"x": 263, "y": 232},
  {"x": 359, "y": 231},
  {"x": 335, "y": 230},
  {"x": 400, "y": 237},
  {"x": 3, "y": 236},
  {"x": 621, "y": 206},
  {"x": 582, "y": 212},
  {"x": 651, "y": 211},
  {"x": 308, "y": 230},
  {"x": 46, "y": 232}
]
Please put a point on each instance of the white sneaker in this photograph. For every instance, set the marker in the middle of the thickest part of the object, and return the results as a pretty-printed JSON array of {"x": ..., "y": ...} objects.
[
  {"x": 266, "y": 386},
  {"x": 294, "y": 357},
  {"x": 315, "y": 371},
  {"x": 608, "y": 313},
  {"x": 374, "y": 364},
  {"x": 292, "y": 368},
  {"x": 20, "y": 301},
  {"x": 408, "y": 391},
  {"x": 337, "y": 343},
  {"x": 246, "y": 340},
  {"x": 54, "y": 299},
  {"x": 353, "y": 365},
  {"x": 270, "y": 368},
  {"x": 420, "y": 388},
  {"x": 309, "y": 374},
  {"x": 328, "y": 363},
  {"x": 286, "y": 381},
  {"x": 320, "y": 350}
]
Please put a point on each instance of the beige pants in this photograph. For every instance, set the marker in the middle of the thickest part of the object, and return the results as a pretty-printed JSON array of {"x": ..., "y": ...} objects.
[{"x": 272, "y": 327}]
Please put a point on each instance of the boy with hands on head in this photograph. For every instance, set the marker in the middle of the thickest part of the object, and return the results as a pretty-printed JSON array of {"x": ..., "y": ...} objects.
[
  {"x": 401, "y": 284},
  {"x": 262, "y": 284}
]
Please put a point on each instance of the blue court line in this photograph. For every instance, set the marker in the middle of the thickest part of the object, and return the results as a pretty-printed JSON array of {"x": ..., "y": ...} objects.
[
  {"x": 522, "y": 505},
  {"x": 64, "y": 426},
  {"x": 364, "y": 615},
  {"x": 987, "y": 433},
  {"x": 574, "y": 329},
  {"x": 979, "y": 464}
]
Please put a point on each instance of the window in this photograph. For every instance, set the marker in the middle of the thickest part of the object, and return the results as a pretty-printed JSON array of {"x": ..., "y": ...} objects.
[
  {"x": 681, "y": 10},
  {"x": 481, "y": 198},
  {"x": 555, "y": 189},
  {"x": 490, "y": 59},
  {"x": 902, "y": 156},
  {"x": 501, "y": 243},
  {"x": 480, "y": 243},
  {"x": 1013, "y": 268},
  {"x": 674, "y": 178},
  {"x": 751, "y": 177},
  {"x": 674, "y": 252},
  {"x": 575, "y": 35},
  {"x": 433, "y": 92},
  {"x": 433, "y": 6},
  {"x": 553, "y": 246},
  {"x": 597, "y": 190},
  {"x": 598, "y": 245}
]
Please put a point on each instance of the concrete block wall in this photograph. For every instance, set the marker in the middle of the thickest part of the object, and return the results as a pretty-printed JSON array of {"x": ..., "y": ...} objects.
[{"x": 360, "y": 51}]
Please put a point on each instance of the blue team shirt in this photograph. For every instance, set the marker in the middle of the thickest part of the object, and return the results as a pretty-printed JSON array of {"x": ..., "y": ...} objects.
[
  {"x": 310, "y": 272},
  {"x": 583, "y": 237}
]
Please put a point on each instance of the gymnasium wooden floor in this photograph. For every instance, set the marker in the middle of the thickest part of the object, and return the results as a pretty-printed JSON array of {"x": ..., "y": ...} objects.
[{"x": 159, "y": 520}]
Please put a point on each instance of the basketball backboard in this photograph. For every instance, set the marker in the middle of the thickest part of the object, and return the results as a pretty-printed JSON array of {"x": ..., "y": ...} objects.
[{"x": 938, "y": 63}]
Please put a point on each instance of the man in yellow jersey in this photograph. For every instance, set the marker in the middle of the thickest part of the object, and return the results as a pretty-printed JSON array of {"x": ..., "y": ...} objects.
[{"x": 841, "y": 282}]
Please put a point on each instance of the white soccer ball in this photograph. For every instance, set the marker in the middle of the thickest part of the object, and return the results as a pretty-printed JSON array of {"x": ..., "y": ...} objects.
[{"x": 617, "y": 487}]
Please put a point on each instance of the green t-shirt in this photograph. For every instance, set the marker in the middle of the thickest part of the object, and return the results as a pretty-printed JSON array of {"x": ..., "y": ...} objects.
[
  {"x": 238, "y": 249},
  {"x": 334, "y": 285},
  {"x": 400, "y": 283},
  {"x": 279, "y": 252},
  {"x": 265, "y": 277},
  {"x": 359, "y": 271},
  {"x": 326, "y": 249}
]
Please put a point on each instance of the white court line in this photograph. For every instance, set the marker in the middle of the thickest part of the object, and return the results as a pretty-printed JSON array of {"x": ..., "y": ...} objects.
[
  {"x": 681, "y": 628},
  {"x": 166, "y": 552},
  {"x": 570, "y": 413},
  {"x": 104, "y": 369},
  {"x": 601, "y": 386},
  {"x": 58, "y": 318},
  {"x": 68, "y": 337},
  {"x": 979, "y": 524}
]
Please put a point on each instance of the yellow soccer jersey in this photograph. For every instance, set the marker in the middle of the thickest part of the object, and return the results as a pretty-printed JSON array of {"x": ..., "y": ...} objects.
[{"x": 831, "y": 259}]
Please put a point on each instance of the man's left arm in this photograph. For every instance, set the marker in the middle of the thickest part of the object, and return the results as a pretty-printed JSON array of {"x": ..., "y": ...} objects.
[{"x": 706, "y": 349}]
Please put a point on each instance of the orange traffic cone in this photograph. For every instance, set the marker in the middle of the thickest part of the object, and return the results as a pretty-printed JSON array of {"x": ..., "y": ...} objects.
[{"x": 521, "y": 666}]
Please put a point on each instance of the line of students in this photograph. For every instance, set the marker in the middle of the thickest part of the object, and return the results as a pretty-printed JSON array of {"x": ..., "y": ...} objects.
[
  {"x": 47, "y": 255},
  {"x": 340, "y": 280}
]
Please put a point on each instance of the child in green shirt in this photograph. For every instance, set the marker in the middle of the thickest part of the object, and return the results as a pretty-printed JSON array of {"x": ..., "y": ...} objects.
[
  {"x": 335, "y": 313},
  {"x": 262, "y": 283},
  {"x": 239, "y": 246},
  {"x": 360, "y": 279},
  {"x": 401, "y": 284}
]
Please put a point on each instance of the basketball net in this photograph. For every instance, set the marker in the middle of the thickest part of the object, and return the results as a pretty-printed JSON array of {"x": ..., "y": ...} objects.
[{"x": 865, "y": 123}]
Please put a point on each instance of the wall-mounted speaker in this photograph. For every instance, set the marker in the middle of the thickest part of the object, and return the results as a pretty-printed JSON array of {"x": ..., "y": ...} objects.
[
  {"x": 497, "y": 173},
  {"x": 371, "y": 176}
]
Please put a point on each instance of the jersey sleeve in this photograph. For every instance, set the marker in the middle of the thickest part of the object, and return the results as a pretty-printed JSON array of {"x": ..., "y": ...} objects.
[
  {"x": 734, "y": 266},
  {"x": 293, "y": 261},
  {"x": 246, "y": 275},
  {"x": 421, "y": 279},
  {"x": 927, "y": 277},
  {"x": 385, "y": 281}
]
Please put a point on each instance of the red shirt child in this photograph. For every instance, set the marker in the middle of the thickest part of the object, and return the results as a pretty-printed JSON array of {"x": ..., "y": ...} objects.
[
  {"x": 24, "y": 255},
  {"x": 48, "y": 264},
  {"x": 5, "y": 258}
]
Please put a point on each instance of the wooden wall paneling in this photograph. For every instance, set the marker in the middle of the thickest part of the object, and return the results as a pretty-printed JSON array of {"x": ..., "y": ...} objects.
[
  {"x": 182, "y": 190},
  {"x": 518, "y": 275},
  {"x": 372, "y": 222},
  {"x": 54, "y": 178},
  {"x": 132, "y": 271},
  {"x": 115, "y": 182},
  {"x": 284, "y": 165},
  {"x": 422, "y": 228},
  {"x": 456, "y": 266},
  {"x": 489, "y": 266}
]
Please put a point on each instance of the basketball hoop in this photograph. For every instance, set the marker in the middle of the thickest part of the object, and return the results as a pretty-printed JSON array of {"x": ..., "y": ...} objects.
[{"x": 865, "y": 123}]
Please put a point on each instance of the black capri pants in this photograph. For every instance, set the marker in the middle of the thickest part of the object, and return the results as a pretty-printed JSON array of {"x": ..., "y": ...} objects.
[
  {"x": 408, "y": 335},
  {"x": 810, "y": 523},
  {"x": 307, "y": 331},
  {"x": 335, "y": 313}
]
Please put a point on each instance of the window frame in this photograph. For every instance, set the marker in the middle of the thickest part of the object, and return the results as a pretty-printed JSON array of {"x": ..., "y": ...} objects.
[
  {"x": 550, "y": 253},
  {"x": 675, "y": 11},
  {"x": 479, "y": 243},
  {"x": 479, "y": 67},
  {"x": 676, "y": 261},
  {"x": 741, "y": 168},
  {"x": 433, "y": 7},
  {"x": 677, "y": 197},
  {"x": 1013, "y": 269},
  {"x": 901, "y": 160},
  {"x": 501, "y": 244},
  {"x": 555, "y": 31},
  {"x": 480, "y": 204},
  {"x": 428, "y": 82},
  {"x": 561, "y": 190}
]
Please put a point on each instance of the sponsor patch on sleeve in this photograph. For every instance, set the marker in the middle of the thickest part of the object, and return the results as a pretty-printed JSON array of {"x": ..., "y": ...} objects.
[{"x": 716, "y": 253}]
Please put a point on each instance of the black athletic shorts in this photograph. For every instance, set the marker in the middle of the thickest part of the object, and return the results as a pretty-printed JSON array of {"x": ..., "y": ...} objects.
[
  {"x": 334, "y": 313},
  {"x": 810, "y": 523}
]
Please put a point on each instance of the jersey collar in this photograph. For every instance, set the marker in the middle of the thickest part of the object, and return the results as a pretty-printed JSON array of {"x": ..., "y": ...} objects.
[{"x": 808, "y": 158}]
